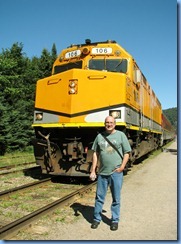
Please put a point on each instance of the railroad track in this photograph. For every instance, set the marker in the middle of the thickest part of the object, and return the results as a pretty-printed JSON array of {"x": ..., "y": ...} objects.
[
  {"x": 14, "y": 166},
  {"x": 10, "y": 229},
  {"x": 4, "y": 170},
  {"x": 23, "y": 187}
]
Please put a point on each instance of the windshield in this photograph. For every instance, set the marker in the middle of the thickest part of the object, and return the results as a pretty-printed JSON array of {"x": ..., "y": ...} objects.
[
  {"x": 65, "y": 67},
  {"x": 113, "y": 65}
]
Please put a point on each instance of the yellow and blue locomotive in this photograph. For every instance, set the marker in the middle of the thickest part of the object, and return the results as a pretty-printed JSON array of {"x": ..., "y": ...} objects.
[{"x": 90, "y": 81}]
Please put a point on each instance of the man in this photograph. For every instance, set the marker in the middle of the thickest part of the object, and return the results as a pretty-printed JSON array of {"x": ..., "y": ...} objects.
[{"x": 111, "y": 169}]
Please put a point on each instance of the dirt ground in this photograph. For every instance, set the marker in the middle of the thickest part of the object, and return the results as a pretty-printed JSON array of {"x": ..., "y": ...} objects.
[{"x": 148, "y": 209}]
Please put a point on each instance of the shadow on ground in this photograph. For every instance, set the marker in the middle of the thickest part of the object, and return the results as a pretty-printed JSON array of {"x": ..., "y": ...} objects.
[{"x": 87, "y": 212}]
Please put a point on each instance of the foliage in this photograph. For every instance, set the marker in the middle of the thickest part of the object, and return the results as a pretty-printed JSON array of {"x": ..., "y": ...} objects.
[
  {"x": 18, "y": 76},
  {"x": 171, "y": 114}
]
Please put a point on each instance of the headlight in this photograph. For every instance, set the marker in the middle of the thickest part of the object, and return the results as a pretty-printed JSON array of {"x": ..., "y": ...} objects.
[
  {"x": 73, "y": 86},
  {"x": 85, "y": 51},
  {"x": 38, "y": 116},
  {"x": 115, "y": 114},
  {"x": 72, "y": 91}
]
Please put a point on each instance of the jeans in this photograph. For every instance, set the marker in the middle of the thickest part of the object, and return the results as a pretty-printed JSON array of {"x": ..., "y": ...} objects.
[{"x": 114, "y": 181}]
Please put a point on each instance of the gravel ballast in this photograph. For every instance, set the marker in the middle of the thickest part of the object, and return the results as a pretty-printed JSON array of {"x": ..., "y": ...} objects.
[{"x": 148, "y": 208}]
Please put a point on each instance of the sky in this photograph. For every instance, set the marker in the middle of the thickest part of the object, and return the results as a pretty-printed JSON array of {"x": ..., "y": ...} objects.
[{"x": 147, "y": 29}]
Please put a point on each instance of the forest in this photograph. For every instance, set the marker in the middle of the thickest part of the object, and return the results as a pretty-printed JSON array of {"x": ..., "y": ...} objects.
[
  {"x": 18, "y": 77},
  {"x": 171, "y": 114}
]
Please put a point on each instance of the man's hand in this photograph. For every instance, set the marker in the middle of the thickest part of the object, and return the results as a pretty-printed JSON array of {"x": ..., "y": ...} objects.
[
  {"x": 119, "y": 170},
  {"x": 92, "y": 176}
]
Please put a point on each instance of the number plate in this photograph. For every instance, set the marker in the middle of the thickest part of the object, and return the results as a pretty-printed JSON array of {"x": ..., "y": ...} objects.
[
  {"x": 73, "y": 54},
  {"x": 102, "y": 50}
]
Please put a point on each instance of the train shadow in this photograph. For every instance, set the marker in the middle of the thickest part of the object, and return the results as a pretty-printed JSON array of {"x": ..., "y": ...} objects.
[
  {"x": 171, "y": 150},
  {"x": 35, "y": 173},
  {"x": 87, "y": 212}
]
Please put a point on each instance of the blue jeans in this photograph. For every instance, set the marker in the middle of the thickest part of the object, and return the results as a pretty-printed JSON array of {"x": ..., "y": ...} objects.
[{"x": 114, "y": 181}]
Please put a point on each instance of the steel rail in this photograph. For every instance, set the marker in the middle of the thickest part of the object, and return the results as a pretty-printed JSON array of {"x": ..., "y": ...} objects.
[
  {"x": 15, "y": 165},
  {"x": 19, "y": 170},
  {"x": 10, "y": 229},
  {"x": 9, "y": 191}
]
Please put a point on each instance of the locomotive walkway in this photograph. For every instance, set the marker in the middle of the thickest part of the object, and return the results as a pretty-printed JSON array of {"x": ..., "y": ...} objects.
[{"x": 149, "y": 205}]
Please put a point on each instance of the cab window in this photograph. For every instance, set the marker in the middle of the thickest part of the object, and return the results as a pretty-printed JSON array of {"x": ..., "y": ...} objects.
[
  {"x": 113, "y": 65},
  {"x": 65, "y": 67}
]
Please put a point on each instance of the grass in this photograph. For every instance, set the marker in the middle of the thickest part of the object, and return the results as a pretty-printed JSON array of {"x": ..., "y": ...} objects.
[
  {"x": 27, "y": 207},
  {"x": 17, "y": 158},
  {"x": 7, "y": 204}
]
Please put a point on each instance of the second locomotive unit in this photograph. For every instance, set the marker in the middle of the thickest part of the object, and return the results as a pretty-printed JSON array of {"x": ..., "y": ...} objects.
[{"x": 90, "y": 81}]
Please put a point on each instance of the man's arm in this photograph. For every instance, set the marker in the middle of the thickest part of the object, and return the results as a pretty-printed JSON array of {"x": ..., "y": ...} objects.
[
  {"x": 124, "y": 162},
  {"x": 94, "y": 165}
]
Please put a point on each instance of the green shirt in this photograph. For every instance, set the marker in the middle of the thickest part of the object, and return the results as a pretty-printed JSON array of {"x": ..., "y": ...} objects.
[{"x": 109, "y": 158}]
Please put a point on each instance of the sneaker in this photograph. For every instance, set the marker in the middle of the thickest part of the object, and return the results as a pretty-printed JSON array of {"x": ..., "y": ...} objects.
[
  {"x": 114, "y": 226},
  {"x": 94, "y": 225}
]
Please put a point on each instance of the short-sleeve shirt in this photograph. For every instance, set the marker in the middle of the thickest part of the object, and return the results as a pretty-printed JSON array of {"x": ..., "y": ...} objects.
[{"x": 109, "y": 157}]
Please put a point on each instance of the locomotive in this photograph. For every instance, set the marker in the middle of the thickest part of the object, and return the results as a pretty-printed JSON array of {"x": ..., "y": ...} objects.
[{"x": 90, "y": 81}]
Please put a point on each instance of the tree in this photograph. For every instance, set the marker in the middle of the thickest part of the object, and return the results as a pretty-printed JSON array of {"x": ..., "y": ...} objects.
[
  {"x": 18, "y": 77},
  {"x": 46, "y": 61},
  {"x": 45, "y": 64},
  {"x": 14, "y": 99},
  {"x": 53, "y": 53},
  {"x": 171, "y": 114}
]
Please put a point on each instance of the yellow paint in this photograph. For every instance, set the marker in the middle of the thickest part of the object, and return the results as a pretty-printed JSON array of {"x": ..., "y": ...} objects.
[{"x": 95, "y": 90}]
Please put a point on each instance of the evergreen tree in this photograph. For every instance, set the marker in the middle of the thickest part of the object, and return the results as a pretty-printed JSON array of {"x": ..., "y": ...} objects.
[
  {"x": 14, "y": 99},
  {"x": 18, "y": 77},
  {"x": 53, "y": 53},
  {"x": 171, "y": 114},
  {"x": 45, "y": 64}
]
